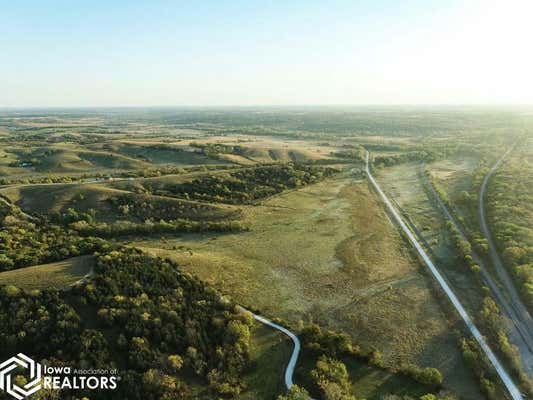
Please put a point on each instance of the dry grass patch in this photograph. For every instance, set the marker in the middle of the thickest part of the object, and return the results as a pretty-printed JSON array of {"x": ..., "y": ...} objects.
[{"x": 59, "y": 275}]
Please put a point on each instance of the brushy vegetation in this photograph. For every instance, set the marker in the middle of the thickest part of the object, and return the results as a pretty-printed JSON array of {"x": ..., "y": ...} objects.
[
  {"x": 245, "y": 186},
  {"x": 510, "y": 211},
  {"x": 394, "y": 159},
  {"x": 127, "y": 228},
  {"x": 331, "y": 356},
  {"x": 24, "y": 242}
]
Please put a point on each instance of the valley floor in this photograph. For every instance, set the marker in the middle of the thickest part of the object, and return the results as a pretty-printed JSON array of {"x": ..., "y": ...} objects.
[{"x": 328, "y": 253}]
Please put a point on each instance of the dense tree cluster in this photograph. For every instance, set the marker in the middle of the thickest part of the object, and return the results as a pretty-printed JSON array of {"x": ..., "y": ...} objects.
[
  {"x": 510, "y": 212},
  {"x": 352, "y": 154},
  {"x": 44, "y": 179},
  {"x": 394, "y": 159},
  {"x": 476, "y": 360},
  {"x": 38, "y": 321},
  {"x": 331, "y": 379},
  {"x": 147, "y": 207},
  {"x": 162, "y": 312},
  {"x": 494, "y": 323},
  {"x": 246, "y": 185},
  {"x": 149, "y": 227},
  {"x": 214, "y": 149},
  {"x": 295, "y": 393},
  {"x": 25, "y": 242},
  {"x": 142, "y": 215},
  {"x": 157, "y": 325}
]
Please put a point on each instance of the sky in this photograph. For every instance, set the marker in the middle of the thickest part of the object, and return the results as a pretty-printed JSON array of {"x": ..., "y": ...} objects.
[{"x": 302, "y": 52}]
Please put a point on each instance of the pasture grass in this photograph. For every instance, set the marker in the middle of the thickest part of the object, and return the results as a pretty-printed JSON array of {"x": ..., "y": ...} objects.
[
  {"x": 59, "y": 275},
  {"x": 270, "y": 351},
  {"x": 328, "y": 253},
  {"x": 455, "y": 176}
]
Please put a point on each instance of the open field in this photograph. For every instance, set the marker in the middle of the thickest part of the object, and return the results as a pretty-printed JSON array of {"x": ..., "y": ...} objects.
[
  {"x": 456, "y": 176},
  {"x": 113, "y": 153},
  {"x": 328, "y": 253},
  {"x": 59, "y": 275},
  {"x": 46, "y": 199},
  {"x": 404, "y": 183}
]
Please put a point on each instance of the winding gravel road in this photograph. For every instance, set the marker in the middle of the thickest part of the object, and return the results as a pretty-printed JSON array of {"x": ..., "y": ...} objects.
[
  {"x": 512, "y": 388},
  {"x": 289, "y": 371},
  {"x": 519, "y": 334},
  {"x": 503, "y": 275}
]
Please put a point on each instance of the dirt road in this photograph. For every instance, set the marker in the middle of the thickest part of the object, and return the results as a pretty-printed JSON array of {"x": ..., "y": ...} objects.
[
  {"x": 519, "y": 334},
  {"x": 519, "y": 310}
]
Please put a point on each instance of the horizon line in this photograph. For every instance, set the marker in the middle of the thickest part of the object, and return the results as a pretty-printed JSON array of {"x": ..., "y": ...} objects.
[{"x": 295, "y": 105}]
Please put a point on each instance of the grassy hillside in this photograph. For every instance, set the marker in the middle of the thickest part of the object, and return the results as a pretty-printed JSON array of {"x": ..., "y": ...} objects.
[
  {"x": 59, "y": 275},
  {"x": 156, "y": 153},
  {"x": 110, "y": 203}
]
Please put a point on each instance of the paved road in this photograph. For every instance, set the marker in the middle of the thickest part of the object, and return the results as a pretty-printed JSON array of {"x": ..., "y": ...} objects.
[
  {"x": 289, "y": 371},
  {"x": 519, "y": 334},
  {"x": 518, "y": 307},
  {"x": 502, "y": 373}
]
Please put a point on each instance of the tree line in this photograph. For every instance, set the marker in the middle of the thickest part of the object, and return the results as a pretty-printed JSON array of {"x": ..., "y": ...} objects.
[{"x": 244, "y": 186}]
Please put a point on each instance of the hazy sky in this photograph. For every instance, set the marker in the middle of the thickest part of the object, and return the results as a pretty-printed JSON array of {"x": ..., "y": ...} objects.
[{"x": 154, "y": 52}]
